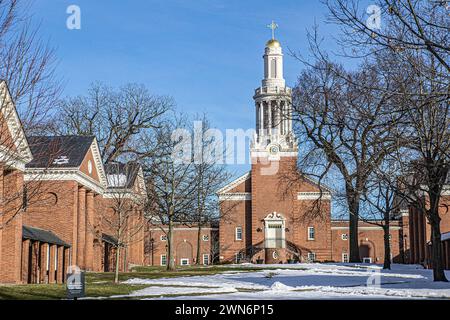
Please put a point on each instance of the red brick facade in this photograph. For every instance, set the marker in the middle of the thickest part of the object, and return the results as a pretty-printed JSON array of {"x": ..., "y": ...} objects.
[{"x": 186, "y": 242}]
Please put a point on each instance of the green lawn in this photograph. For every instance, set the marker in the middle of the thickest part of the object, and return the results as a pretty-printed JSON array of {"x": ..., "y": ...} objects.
[{"x": 101, "y": 284}]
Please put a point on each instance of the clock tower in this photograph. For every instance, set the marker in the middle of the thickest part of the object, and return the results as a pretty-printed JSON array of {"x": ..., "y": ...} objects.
[{"x": 273, "y": 108}]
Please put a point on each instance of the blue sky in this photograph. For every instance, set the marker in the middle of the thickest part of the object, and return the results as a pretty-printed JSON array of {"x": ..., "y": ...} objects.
[{"x": 207, "y": 54}]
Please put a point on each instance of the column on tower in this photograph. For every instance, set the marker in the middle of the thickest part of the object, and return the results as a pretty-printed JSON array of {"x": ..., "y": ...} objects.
[{"x": 269, "y": 116}]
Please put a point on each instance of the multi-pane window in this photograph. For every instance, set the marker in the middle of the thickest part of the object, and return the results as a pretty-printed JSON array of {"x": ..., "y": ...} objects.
[
  {"x": 344, "y": 236},
  {"x": 311, "y": 256},
  {"x": 163, "y": 237},
  {"x": 311, "y": 233},
  {"x": 184, "y": 262},
  {"x": 345, "y": 257},
  {"x": 163, "y": 260},
  {"x": 205, "y": 237},
  {"x": 205, "y": 259},
  {"x": 239, "y": 233}
]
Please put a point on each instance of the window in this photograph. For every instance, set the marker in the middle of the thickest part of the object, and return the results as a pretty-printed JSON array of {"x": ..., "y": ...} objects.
[
  {"x": 163, "y": 237},
  {"x": 239, "y": 233},
  {"x": 205, "y": 259},
  {"x": 163, "y": 260},
  {"x": 344, "y": 236},
  {"x": 205, "y": 237},
  {"x": 345, "y": 257},
  {"x": 184, "y": 262},
  {"x": 238, "y": 257},
  {"x": 311, "y": 233},
  {"x": 311, "y": 257}
]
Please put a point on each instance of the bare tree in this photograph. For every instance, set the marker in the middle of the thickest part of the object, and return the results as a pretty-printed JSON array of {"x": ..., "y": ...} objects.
[
  {"x": 123, "y": 215},
  {"x": 346, "y": 125},
  {"x": 382, "y": 202},
  {"x": 415, "y": 36},
  {"x": 118, "y": 118},
  {"x": 210, "y": 174},
  {"x": 399, "y": 26},
  {"x": 171, "y": 181},
  {"x": 27, "y": 63}
]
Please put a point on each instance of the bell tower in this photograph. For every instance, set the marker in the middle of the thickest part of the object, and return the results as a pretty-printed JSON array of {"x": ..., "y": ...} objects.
[{"x": 273, "y": 106}]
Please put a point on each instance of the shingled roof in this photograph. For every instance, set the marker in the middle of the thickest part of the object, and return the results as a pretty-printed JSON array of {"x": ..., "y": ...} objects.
[
  {"x": 42, "y": 235},
  {"x": 58, "y": 151}
]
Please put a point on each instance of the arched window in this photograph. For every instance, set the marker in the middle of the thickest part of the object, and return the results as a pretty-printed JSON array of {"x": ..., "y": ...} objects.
[{"x": 273, "y": 68}]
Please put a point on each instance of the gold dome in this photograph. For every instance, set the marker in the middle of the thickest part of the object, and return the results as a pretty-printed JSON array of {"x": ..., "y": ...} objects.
[{"x": 272, "y": 43}]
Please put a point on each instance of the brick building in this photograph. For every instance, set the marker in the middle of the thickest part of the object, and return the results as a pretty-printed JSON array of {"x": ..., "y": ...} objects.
[
  {"x": 122, "y": 218},
  {"x": 14, "y": 155},
  {"x": 417, "y": 232},
  {"x": 186, "y": 241},
  {"x": 272, "y": 214},
  {"x": 54, "y": 196}
]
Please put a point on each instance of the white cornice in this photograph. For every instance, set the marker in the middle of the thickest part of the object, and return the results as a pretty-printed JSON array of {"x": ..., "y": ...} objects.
[
  {"x": 237, "y": 196},
  {"x": 313, "y": 195},
  {"x": 63, "y": 174},
  {"x": 99, "y": 163},
  {"x": 23, "y": 154}
]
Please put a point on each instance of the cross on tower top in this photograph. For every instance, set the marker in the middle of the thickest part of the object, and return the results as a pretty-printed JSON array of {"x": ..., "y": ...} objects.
[{"x": 272, "y": 26}]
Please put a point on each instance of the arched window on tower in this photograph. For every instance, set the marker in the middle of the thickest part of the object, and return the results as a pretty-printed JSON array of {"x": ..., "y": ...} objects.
[{"x": 273, "y": 68}]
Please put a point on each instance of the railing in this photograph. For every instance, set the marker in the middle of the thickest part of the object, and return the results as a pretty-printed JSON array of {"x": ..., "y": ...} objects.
[{"x": 262, "y": 90}]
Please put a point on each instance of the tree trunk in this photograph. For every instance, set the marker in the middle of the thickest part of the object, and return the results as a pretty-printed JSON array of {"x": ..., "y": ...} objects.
[
  {"x": 170, "y": 260},
  {"x": 199, "y": 233},
  {"x": 436, "y": 252},
  {"x": 116, "y": 271},
  {"x": 353, "y": 205},
  {"x": 387, "y": 247}
]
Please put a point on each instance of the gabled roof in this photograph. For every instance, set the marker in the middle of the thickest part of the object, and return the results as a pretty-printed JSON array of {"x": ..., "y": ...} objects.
[
  {"x": 59, "y": 151},
  {"x": 42, "y": 235},
  {"x": 235, "y": 183},
  {"x": 23, "y": 154}
]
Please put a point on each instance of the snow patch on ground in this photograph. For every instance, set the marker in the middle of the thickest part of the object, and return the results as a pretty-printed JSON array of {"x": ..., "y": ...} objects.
[{"x": 305, "y": 281}]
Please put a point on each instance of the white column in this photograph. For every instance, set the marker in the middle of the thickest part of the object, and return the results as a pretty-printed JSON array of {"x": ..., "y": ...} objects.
[
  {"x": 257, "y": 117},
  {"x": 261, "y": 118},
  {"x": 269, "y": 115}
]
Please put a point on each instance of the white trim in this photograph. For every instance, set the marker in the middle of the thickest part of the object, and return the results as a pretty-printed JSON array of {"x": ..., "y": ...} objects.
[
  {"x": 236, "y": 233},
  {"x": 313, "y": 195},
  {"x": 63, "y": 174},
  {"x": 342, "y": 257},
  {"x": 161, "y": 260},
  {"x": 239, "y": 196},
  {"x": 9, "y": 111},
  {"x": 203, "y": 259},
  {"x": 94, "y": 148},
  {"x": 404, "y": 213},
  {"x": 266, "y": 154},
  {"x": 184, "y": 259},
  {"x": 314, "y": 233},
  {"x": 234, "y": 183}
]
